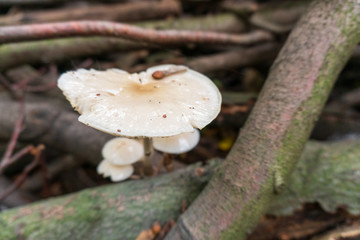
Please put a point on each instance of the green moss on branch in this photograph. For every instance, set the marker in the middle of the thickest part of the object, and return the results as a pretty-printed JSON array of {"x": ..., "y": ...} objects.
[
  {"x": 116, "y": 211},
  {"x": 125, "y": 209}
]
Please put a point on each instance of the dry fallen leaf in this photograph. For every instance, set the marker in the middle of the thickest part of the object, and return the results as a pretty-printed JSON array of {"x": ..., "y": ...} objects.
[{"x": 146, "y": 235}]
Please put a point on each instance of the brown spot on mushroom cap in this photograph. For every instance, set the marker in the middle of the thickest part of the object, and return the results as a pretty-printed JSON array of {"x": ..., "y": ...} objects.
[{"x": 158, "y": 75}]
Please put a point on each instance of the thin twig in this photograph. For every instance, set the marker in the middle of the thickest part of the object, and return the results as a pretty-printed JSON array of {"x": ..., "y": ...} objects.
[
  {"x": 103, "y": 28},
  {"x": 37, "y": 153},
  {"x": 15, "y": 157},
  {"x": 15, "y": 135},
  {"x": 17, "y": 91}
]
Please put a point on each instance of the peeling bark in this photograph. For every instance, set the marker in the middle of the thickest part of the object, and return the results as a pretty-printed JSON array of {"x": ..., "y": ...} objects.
[{"x": 271, "y": 142}]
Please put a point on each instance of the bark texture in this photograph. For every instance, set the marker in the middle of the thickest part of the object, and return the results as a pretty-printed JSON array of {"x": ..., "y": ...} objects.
[
  {"x": 275, "y": 133},
  {"x": 122, "y": 211}
]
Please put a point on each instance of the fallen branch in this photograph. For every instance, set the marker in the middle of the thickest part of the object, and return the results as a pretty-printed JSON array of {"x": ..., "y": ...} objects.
[
  {"x": 7, "y": 158},
  {"x": 126, "y": 209},
  {"x": 241, "y": 8},
  {"x": 279, "y": 17},
  {"x": 47, "y": 51},
  {"x": 125, "y": 12},
  {"x": 54, "y": 169},
  {"x": 17, "y": 198},
  {"x": 51, "y": 124},
  {"x": 37, "y": 152},
  {"x": 102, "y": 28},
  {"x": 123, "y": 209},
  {"x": 230, "y": 59},
  {"x": 21, "y": 153},
  {"x": 235, "y": 58},
  {"x": 274, "y": 135}
]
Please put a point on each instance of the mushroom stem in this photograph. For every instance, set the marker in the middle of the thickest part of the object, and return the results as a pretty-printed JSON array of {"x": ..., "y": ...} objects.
[{"x": 148, "y": 151}]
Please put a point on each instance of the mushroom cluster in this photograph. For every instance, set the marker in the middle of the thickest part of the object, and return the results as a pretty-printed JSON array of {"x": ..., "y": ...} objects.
[
  {"x": 159, "y": 103},
  {"x": 119, "y": 154}
]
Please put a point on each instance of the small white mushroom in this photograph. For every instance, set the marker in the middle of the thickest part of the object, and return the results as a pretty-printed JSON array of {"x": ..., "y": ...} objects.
[
  {"x": 177, "y": 144},
  {"x": 119, "y": 154},
  {"x": 116, "y": 173},
  {"x": 122, "y": 151}
]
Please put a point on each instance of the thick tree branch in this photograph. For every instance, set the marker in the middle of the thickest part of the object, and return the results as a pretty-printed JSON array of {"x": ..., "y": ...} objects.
[
  {"x": 275, "y": 133},
  {"x": 126, "y": 209},
  {"x": 103, "y": 28},
  {"x": 108, "y": 212}
]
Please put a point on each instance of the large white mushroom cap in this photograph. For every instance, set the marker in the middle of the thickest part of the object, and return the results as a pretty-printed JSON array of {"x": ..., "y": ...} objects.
[
  {"x": 124, "y": 104},
  {"x": 177, "y": 144},
  {"x": 122, "y": 151},
  {"x": 116, "y": 173}
]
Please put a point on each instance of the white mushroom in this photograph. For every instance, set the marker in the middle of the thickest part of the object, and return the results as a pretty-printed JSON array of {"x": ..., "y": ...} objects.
[
  {"x": 116, "y": 173},
  {"x": 162, "y": 101},
  {"x": 177, "y": 144},
  {"x": 124, "y": 104},
  {"x": 122, "y": 151}
]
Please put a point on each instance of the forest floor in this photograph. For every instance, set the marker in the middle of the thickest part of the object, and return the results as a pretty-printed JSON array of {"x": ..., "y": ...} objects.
[{"x": 29, "y": 71}]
